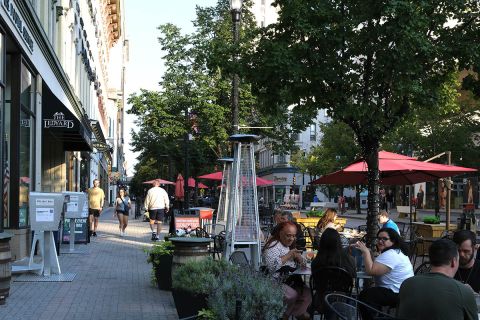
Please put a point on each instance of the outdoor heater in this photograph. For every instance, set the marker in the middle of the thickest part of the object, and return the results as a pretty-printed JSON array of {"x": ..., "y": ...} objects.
[
  {"x": 223, "y": 201},
  {"x": 243, "y": 228}
]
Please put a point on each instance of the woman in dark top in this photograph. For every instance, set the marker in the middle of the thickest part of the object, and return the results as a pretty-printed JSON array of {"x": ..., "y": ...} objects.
[{"x": 331, "y": 253}]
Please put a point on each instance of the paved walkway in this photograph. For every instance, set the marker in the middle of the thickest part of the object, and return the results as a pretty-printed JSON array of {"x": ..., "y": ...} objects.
[{"x": 112, "y": 282}]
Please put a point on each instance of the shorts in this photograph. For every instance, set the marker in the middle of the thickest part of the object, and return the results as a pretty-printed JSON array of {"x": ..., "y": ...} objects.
[
  {"x": 95, "y": 212},
  {"x": 125, "y": 213},
  {"x": 157, "y": 214}
]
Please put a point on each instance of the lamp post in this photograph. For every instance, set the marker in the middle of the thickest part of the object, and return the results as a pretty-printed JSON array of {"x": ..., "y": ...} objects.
[{"x": 235, "y": 9}]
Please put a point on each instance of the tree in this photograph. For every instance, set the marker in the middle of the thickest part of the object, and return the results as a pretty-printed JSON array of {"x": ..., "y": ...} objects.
[{"x": 369, "y": 63}]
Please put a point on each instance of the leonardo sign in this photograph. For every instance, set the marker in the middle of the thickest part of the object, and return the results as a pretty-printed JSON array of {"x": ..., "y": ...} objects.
[{"x": 58, "y": 121}]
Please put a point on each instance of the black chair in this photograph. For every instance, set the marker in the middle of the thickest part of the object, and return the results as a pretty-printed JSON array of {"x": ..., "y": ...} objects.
[
  {"x": 423, "y": 268},
  {"x": 327, "y": 280},
  {"x": 401, "y": 227},
  {"x": 301, "y": 242},
  {"x": 239, "y": 258},
  {"x": 201, "y": 233},
  {"x": 347, "y": 308},
  {"x": 218, "y": 245},
  {"x": 314, "y": 238},
  {"x": 362, "y": 228}
]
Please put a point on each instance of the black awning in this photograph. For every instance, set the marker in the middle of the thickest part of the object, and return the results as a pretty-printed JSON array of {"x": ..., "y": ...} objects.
[{"x": 59, "y": 121}]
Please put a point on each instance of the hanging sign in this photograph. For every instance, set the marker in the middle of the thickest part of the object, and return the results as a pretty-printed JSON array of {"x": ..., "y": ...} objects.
[{"x": 58, "y": 121}]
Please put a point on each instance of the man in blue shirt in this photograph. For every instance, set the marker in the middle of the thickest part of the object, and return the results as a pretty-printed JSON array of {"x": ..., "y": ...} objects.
[{"x": 386, "y": 222}]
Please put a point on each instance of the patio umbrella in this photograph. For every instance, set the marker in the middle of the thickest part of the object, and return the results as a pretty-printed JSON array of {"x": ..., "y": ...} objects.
[
  {"x": 395, "y": 169},
  {"x": 218, "y": 176},
  {"x": 161, "y": 181},
  {"x": 191, "y": 184},
  {"x": 179, "y": 188}
]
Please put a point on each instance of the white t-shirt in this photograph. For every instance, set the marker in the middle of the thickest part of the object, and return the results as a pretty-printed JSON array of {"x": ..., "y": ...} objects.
[{"x": 400, "y": 269}]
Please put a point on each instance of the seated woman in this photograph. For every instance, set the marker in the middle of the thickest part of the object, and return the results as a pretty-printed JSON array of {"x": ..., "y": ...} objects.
[
  {"x": 331, "y": 253},
  {"x": 389, "y": 269},
  {"x": 327, "y": 221},
  {"x": 279, "y": 253}
]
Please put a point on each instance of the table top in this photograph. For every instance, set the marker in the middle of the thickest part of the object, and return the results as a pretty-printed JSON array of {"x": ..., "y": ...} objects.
[
  {"x": 307, "y": 271},
  {"x": 190, "y": 239}
]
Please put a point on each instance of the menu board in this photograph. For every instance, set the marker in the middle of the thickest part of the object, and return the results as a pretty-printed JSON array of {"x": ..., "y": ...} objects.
[{"x": 81, "y": 231}]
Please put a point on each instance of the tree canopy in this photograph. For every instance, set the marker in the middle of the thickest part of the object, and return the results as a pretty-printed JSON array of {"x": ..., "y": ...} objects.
[{"x": 369, "y": 63}]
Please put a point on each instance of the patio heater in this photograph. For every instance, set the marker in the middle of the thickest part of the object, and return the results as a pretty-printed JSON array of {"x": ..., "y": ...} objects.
[
  {"x": 243, "y": 228},
  {"x": 224, "y": 191}
]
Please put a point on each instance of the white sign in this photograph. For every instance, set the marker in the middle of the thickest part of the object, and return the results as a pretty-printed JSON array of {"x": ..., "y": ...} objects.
[
  {"x": 72, "y": 207},
  {"x": 45, "y": 202},
  {"x": 85, "y": 210},
  {"x": 44, "y": 215}
]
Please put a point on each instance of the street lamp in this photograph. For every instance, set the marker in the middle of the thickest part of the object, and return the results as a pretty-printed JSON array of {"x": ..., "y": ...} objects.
[{"x": 235, "y": 9}]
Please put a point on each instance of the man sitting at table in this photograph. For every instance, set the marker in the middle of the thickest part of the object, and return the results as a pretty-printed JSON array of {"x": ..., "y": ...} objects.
[
  {"x": 435, "y": 295},
  {"x": 469, "y": 267},
  {"x": 386, "y": 222}
]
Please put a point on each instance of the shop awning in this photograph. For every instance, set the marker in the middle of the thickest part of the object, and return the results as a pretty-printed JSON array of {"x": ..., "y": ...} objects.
[{"x": 59, "y": 121}]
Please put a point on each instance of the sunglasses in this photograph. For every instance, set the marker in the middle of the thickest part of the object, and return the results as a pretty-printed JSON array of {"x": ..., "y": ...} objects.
[{"x": 383, "y": 239}]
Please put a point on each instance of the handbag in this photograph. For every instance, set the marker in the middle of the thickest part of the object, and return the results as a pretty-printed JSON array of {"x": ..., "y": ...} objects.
[{"x": 294, "y": 281}]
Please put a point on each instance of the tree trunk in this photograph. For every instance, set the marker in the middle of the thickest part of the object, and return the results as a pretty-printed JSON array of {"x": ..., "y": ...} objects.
[
  {"x": 371, "y": 157},
  {"x": 357, "y": 199}
]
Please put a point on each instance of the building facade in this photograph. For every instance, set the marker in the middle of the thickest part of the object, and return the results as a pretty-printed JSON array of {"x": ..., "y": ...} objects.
[{"x": 54, "y": 104}]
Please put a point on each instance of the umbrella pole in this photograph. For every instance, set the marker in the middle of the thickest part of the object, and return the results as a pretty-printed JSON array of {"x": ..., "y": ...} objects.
[{"x": 411, "y": 213}]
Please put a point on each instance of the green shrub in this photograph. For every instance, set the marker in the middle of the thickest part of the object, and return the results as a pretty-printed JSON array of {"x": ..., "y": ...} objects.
[
  {"x": 261, "y": 297},
  {"x": 198, "y": 276},
  {"x": 431, "y": 219},
  {"x": 162, "y": 248},
  {"x": 315, "y": 213}
]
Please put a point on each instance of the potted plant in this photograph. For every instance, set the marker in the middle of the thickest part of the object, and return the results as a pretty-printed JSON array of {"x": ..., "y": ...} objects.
[
  {"x": 193, "y": 282},
  {"x": 160, "y": 256},
  {"x": 250, "y": 294}
]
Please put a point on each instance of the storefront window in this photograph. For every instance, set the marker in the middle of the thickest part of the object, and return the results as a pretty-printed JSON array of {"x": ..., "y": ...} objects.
[{"x": 26, "y": 139}]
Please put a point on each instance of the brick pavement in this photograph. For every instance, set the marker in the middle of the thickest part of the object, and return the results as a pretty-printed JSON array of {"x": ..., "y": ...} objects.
[{"x": 112, "y": 282}]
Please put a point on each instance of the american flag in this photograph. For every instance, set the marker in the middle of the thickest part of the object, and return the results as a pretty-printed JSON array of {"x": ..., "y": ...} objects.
[{"x": 6, "y": 182}]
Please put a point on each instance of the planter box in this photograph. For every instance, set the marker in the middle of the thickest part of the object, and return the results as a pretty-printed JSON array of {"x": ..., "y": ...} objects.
[
  {"x": 313, "y": 221},
  {"x": 163, "y": 272},
  {"x": 187, "y": 303}
]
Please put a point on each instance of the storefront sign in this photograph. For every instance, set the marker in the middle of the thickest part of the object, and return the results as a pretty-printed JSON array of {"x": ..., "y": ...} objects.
[
  {"x": 279, "y": 179},
  {"x": 58, "y": 121},
  {"x": 16, "y": 19}
]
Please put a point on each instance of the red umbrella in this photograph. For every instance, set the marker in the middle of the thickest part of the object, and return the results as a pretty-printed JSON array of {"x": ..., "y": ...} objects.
[
  {"x": 179, "y": 188},
  {"x": 191, "y": 184},
  {"x": 161, "y": 181},
  {"x": 394, "y": 169},
  {"x": 218, "y": 176}
]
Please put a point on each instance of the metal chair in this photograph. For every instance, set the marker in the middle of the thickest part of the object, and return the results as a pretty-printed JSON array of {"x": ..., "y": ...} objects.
[
  {"x": 218, "y": 245},
  {"x": 423, "y": 268},
  {"x": 327, "y": 280},
  {"x": 214, "y": 228},
  {"x": 347, "y": 308},
  {"x": 201, "y": 233},
  {"x": 239, "y": 258},
  {"x": 362, "y": 228},
  {"x": 301, "y": 242},
  {"x": 314, "y": 238}
]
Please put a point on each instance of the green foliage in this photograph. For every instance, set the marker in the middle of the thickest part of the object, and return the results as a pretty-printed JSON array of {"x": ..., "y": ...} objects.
[
  {"x": 261, "y": 296},
  {"x": 431, "y": 219},
  {"x": 315, "y": 213},
  {"x": 199, "y": 277},
  {"x": 160, "y": 248},
  {"x": 206, "y": 315},
  {"x": 368, "y": 63}
]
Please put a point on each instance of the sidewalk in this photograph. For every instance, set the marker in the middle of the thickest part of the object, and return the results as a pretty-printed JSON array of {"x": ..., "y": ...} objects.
[{"x": 112, "y": 282}]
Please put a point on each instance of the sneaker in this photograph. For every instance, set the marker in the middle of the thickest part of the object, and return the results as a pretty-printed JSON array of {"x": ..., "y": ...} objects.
[
  {"x": 154, "y": 236},
  {"x": 121, "y": 233},
  {"x": 157, "y": 238},
  {"x": 94, "y": 234},
  {"x": 124, "y": 233}
]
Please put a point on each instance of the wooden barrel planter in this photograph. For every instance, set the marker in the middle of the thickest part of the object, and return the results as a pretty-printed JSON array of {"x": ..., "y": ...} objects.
[
  {"x": 5, "y": 266},
  {"x": 188, "y": 249}
]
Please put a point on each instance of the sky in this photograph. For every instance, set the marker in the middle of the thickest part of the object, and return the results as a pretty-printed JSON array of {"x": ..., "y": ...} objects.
[{"x": 145, "y": 66}]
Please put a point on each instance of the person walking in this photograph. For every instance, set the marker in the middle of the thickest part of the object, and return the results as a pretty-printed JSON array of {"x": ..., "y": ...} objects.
[
  {"x": 157, "y": 204},
  {"x": 122, "y": 209},
  {"x": 96, "y": 199}
]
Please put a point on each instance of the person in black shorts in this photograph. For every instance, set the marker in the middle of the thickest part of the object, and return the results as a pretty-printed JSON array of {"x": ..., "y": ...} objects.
[
  {"x": 156, "y": 203},
  {"x": 96, "y": 198}
]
